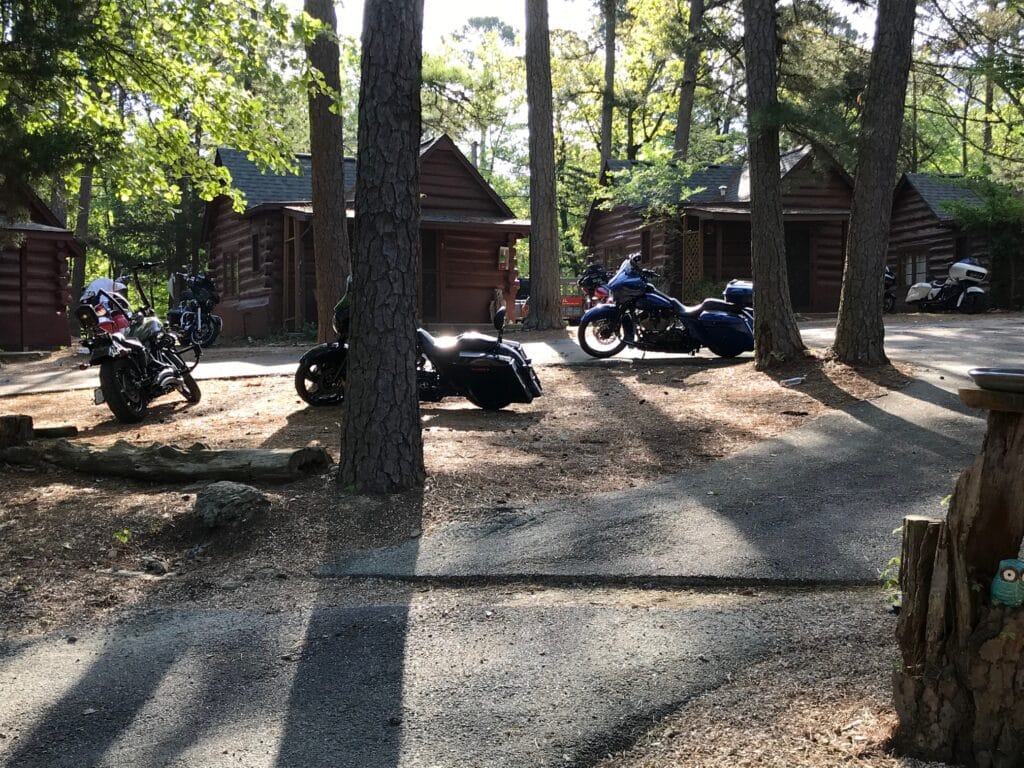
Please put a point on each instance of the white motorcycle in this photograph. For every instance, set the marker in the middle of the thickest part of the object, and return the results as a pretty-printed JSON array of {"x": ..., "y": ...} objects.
[{"x": 961, "y": 291}]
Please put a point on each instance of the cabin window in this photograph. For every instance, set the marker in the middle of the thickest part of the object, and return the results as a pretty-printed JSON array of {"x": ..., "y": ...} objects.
[
  {"x": 230, "y": 262},
  {"x": 256, "y": 261},
  {"x": 915, "y": 267},
  {"x": 645, "y": 246}
]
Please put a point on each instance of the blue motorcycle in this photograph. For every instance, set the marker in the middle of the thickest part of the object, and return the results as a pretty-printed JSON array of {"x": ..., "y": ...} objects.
[{"x": 644, "y": 318}]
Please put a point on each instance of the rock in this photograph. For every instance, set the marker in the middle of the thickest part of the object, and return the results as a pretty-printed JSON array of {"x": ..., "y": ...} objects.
[
  {"x": 228, "y": 503},
  {"x": 155, "y": 565}
]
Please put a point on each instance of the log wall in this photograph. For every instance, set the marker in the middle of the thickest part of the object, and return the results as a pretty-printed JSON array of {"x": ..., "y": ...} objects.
[{"x": 34, "y": 293}]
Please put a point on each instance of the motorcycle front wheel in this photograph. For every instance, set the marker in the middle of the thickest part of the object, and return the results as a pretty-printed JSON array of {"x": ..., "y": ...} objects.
[
  {"x": 974, "y": 303},
  {"x": 889, "y": 303},
  {"x": 205, "y": 335},
  {"x": 123, "y": 390},
  {"x": 320, "y": 378},
  {"x": 601, "y": 338}
]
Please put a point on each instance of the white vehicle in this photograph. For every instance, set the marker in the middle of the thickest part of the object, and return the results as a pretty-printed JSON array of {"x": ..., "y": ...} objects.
[{"x": 961, "y": 291}]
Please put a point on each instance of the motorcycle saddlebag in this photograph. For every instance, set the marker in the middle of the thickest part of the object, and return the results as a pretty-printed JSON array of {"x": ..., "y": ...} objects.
[
  {"x": 726, "y": 332},
  {"x": 483, "y": 374}
]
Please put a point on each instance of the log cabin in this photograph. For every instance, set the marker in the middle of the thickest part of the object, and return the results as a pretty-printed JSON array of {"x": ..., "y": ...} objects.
[
  {"x": 710, "y": 243},
  {"x": 263, "y": 262},
  {"x": 924, "y": 238},
  {"x": 34, "y": 253}
]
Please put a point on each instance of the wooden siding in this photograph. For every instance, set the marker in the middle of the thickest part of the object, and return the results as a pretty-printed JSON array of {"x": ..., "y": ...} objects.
[
  {"x": 827, "y": 249},
  {"x": 916, "y": 232},
  {"x": 468, "y": 274},
  {"x": 811, "y": 186},
  {"x": 447, "y": 185},
  {"x": 34, "y": 294}
]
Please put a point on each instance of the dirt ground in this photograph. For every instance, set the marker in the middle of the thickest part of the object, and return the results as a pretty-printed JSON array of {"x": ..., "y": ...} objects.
[
  {"x": 72, "y": 547},
  {"x": 66, "y": 540}
]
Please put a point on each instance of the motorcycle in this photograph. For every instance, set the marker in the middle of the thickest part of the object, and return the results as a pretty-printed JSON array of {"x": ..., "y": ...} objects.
[
  {"x": 193, "y": 317},
  {"x": 644, "y": 318},
  {"x": 487, "y": 371},
  {"x": 139, "y": 364},
  {"x": 960, "y": 291},
  {"x": 593, "y": 281},
  {"x": 889, "y": 300}
]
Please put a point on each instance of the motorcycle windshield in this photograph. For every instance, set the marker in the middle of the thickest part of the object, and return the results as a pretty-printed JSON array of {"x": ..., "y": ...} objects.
[{"x": 628, "y": 282}]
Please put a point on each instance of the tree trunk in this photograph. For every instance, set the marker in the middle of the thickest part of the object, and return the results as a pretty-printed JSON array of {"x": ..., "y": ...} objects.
[
  {"x": 82, "y": 233},
  {"x": 776, "y": 336},
  {"x": 688, "y": 87},
  {"x": 545, "y": 310},
  {"x": 160, "y": 463},
  {"x": 860, "y": 333},
  {"x": 957, "y": 692},
  {"x": 381, "y": 446},
  {"x": 327, "y": 150},
  {"x": 59, "y": 198},
  {"x": 15, "y": 430},
  {"x": 608, "y": 94}
]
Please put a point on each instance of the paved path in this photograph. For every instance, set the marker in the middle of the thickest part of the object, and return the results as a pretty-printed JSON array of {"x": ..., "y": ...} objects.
[{"x": 441, "y": 679}]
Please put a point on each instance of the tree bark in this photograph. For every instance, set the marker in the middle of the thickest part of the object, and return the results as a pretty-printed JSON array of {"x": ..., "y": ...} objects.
[
  {"x": 545, "y": 310},
  {"x": 776, "y": 336},
  {"x": 688, "y": 86},
  {"x": 159, "y": 462},
  {"x": 15, "y": 430},
  {"x": 82, "y": 234},
  {"x": 327, "y": 149},
  {"x": 59, "y": 198},
  {"x": 381, "y": 446},
  {"x": 608, "y": 94},
  {"x": 957, "y": 691},
  {"x": 860, "y": 332}
]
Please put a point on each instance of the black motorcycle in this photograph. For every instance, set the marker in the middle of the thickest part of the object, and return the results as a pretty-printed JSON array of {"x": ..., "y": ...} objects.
[
  {"x": 193, "y": 317},
  {"x": 139, "y": 364},
  {"x": 487, "y": 371},
  {"x": 593, "y": 281},
  {"x": 889, "y": 301}
]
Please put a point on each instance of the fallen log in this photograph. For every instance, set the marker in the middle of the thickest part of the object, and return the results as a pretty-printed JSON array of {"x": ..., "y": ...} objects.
[
  {"x": 169, "y": 463},
  {"x": 54, "y": 432}
]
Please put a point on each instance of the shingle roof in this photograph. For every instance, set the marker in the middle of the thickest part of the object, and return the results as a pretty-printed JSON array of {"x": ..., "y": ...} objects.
[
  {"x": 260, "y": 187},
  {"x": 735, "y": 178},
  {"x": 937, "y": 191}
]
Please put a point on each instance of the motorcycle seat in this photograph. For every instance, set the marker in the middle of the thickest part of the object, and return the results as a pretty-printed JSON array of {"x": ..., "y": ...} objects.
[
  {"x": 452, "y": 345},
  {"x": 707, "y": 305}
]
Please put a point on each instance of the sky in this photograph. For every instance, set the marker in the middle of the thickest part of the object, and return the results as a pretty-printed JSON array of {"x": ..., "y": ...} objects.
[{"x": 442, "y": 17}]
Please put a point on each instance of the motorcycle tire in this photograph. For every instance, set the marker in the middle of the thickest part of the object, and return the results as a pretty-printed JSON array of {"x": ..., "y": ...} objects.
[
  {"x": 889, "y": 303},
  {"x": 725, "y": 354},
  {"x": 599, "y": 351},
  {"x": 208, "y": 333},
  {"x": 489, "y": 402},
  {"x": 122, "y": 390},
  {"x": 310, "y": 376},
  {"x": 189, "y": 389},
  {"x": 974, "y": 303}
]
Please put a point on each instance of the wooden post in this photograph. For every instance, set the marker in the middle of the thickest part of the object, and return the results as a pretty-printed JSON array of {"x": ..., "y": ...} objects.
[{"x": 960, "y": 690}]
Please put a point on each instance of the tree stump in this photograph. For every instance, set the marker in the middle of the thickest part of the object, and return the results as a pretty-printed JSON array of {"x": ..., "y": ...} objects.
[
  {"x": 959, "y": 692},
  {"x": 15, "y": 430}
]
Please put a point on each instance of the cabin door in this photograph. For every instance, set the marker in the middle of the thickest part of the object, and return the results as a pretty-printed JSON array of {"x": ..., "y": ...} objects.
[
  {"x": 798, "y": 266},
  {"x": 429, "y": 277}
]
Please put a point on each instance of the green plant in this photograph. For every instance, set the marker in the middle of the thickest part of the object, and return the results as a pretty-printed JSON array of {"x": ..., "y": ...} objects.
[
  {"x": 890, "y": 576},
  {"x": 123, "y": 536}
]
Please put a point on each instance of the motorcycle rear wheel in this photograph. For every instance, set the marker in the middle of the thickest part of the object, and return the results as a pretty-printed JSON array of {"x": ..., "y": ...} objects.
[
  {"x": 489, "y": 402},
  {"x": 600, "y": 338},
  {"x": 189, "y": 389},
  {"x": 974, "y": 303},
  {"x": 320, "y": 380},
  {"x": 123, "y": 391}
]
